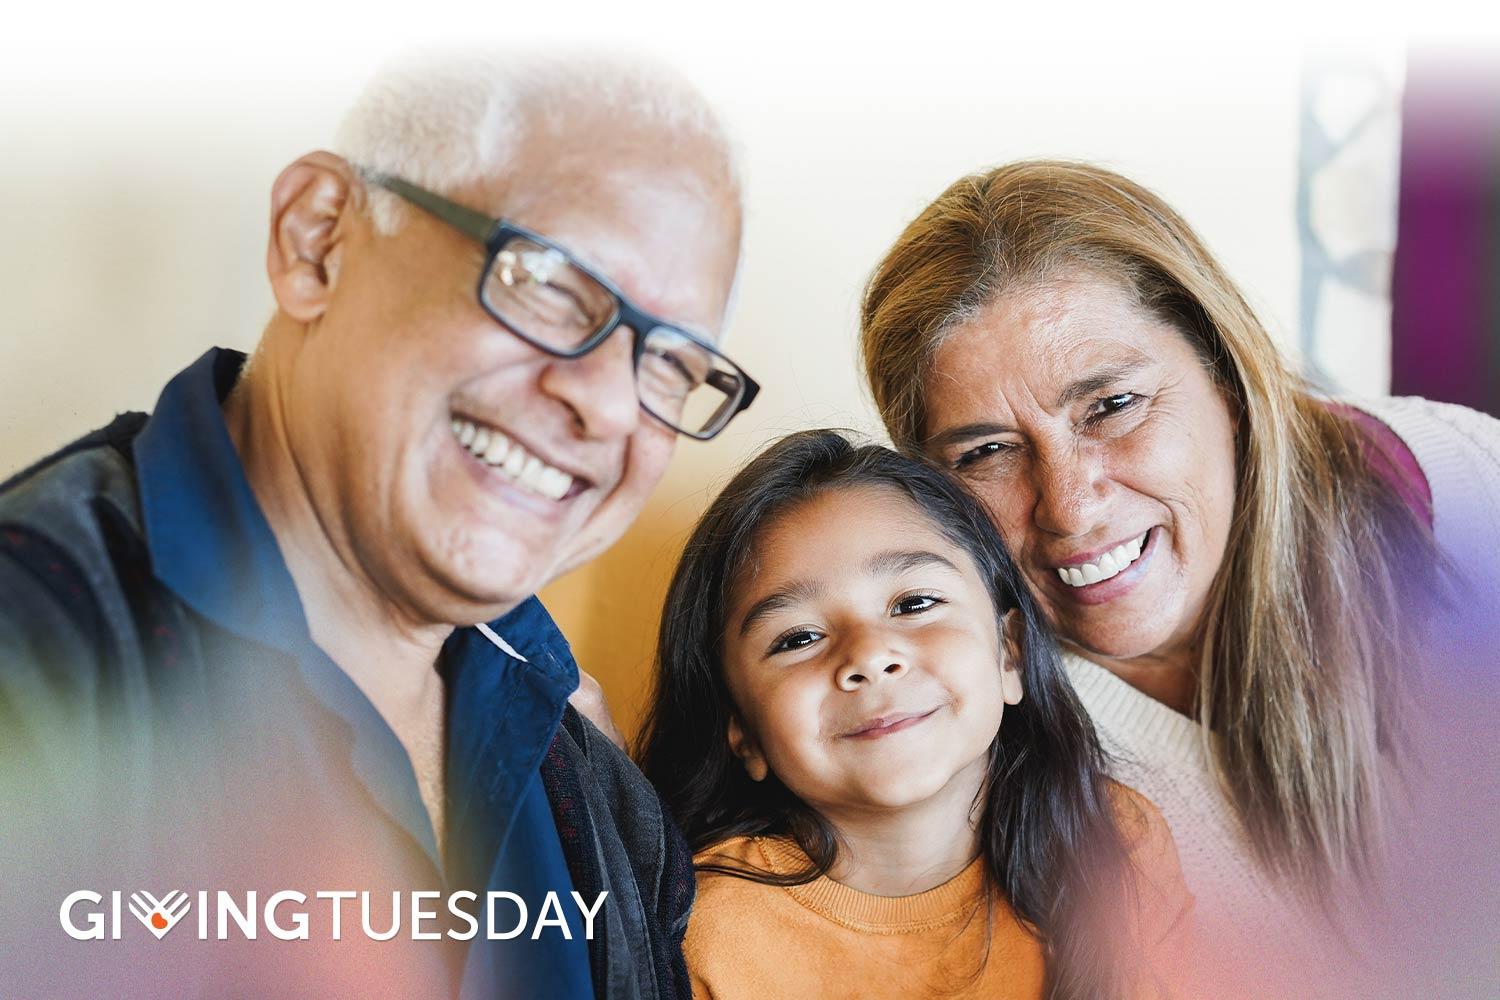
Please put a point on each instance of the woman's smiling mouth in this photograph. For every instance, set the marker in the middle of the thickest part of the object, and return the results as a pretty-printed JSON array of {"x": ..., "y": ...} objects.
[
  {"x": 1105, "y": 567},
  {"x": 1108, "y": 575}
]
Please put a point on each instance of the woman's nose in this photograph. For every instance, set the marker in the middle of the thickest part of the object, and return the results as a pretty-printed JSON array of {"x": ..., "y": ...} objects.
[{"x": 1069, "y": 494}]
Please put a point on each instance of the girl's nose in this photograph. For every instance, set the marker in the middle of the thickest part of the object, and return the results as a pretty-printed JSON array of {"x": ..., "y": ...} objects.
[{"x": 872, "y": 669}]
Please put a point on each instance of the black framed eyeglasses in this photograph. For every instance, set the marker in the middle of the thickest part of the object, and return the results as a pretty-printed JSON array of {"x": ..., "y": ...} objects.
[{"x": 539, "y": 292}]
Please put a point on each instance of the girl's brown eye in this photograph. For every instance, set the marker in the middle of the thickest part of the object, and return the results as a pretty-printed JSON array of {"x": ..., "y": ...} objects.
[
  {"x": 800, "y": 639},
  {"x": 916, "y": 604}
]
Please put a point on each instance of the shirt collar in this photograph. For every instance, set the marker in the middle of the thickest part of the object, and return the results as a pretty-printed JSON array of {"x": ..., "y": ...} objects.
[{"x": 208, "y": 539}]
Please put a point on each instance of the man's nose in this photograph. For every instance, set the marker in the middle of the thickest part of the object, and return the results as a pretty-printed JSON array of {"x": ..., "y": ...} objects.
[
  {"x": 870, "y": 659},
  {"x": 599, "y": 387},
  {"x": 1070, "y": 492}
]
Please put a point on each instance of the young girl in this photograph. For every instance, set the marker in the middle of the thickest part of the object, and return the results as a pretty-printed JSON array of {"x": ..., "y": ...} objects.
[{"x": 841, "y": 641}]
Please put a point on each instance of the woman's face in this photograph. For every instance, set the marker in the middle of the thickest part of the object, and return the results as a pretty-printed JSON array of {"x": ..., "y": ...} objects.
[
  {"x": 1106, "y": 455},
  {"x": 863, "y": 658}
]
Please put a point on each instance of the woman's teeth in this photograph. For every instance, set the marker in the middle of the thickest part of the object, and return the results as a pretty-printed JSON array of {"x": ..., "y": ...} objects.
[
  {"x": 1111, "y": 564},
  {"x": 511, "y": 460}
]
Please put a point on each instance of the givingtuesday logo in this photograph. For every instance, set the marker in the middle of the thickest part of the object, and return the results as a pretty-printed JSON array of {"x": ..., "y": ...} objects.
[
  {"x": 290, "y": 915},
  {"x": 160, "y": 915}
]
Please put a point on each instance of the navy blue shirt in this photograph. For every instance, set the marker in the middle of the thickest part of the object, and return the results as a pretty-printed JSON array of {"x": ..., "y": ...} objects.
[{"x": 301, "y": 782}]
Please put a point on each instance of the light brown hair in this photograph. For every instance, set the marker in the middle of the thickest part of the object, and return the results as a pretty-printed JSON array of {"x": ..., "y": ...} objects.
[{"x": 1309, "y": 626}]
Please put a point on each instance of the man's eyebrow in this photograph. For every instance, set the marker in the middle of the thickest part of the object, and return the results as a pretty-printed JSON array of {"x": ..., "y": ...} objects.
[{"x": 792, "y": 593}]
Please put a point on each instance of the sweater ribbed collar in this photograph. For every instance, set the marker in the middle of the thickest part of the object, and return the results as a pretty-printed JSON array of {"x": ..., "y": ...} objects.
[
  {"x": 1128, "y": 716},
  {"x": 955, "y": 900}
]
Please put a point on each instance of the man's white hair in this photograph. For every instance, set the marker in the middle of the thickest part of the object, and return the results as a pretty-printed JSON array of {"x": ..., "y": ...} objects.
[{"x": 442, "y": 120}]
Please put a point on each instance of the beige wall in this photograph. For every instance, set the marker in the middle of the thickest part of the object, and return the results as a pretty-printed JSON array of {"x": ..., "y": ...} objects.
[{"x": 134, "y": 204}]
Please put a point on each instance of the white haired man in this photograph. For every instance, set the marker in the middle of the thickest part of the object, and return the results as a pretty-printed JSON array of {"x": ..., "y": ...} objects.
[{"x": 280, "y": 636}]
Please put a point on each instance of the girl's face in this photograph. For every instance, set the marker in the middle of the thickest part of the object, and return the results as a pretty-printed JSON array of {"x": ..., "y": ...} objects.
[{"x": 863, "y": 657}]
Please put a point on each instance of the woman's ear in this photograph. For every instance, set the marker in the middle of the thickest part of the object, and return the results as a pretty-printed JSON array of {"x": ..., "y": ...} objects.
[
  {"x": 743, "y": 746},
  {"x": 1012, "y": 638},
  {"x": 308, "y": 201}
]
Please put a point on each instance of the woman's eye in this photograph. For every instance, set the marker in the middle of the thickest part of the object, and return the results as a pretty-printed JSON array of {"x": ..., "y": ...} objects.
[
  {"x": 800, "y": 639},
  {"x": 916, "y": 604},
  {"x": 981, "y": 452},
  {"x": 1107, "y": 405}
]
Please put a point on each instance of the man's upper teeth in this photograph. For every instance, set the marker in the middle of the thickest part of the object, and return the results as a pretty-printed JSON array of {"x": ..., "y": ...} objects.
[
  {"x": 1108, "y": 565},
  {"x": 512, "y": 460}
]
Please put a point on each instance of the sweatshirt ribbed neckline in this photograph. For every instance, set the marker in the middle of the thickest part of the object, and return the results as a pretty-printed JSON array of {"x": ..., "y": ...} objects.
[
  {"x": 954, "y": 900},
  {"x": 1119, "y": 709}
]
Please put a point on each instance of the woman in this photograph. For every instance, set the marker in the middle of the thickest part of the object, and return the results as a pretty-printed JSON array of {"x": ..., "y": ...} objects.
[{"x": 1238, "y": 567}]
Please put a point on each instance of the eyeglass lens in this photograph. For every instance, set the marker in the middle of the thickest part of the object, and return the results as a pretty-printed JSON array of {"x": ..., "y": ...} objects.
[{"x": 539, "y": 293}]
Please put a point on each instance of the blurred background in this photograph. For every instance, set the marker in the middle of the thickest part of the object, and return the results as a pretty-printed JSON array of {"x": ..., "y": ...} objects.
[{"x": 1349, "y": 179}]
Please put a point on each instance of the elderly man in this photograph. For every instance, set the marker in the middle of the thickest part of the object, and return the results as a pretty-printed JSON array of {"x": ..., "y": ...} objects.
[{"x": 280, "y": 636}]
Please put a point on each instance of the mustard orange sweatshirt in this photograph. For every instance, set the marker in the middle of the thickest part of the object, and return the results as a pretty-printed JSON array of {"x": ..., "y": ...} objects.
[{"x": 822, "y": 939}]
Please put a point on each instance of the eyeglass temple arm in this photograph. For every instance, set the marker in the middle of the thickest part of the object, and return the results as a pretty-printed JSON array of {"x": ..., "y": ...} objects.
[
  {"x": 467, "y": 221},
  {"x": 752, "y": 388}
]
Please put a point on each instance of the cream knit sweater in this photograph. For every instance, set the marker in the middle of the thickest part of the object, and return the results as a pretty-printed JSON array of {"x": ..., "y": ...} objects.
[{"x": 1161, "y": 753}]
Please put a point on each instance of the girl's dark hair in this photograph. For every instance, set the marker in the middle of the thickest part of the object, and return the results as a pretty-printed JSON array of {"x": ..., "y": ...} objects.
[{"x": 1048, "y": 830}]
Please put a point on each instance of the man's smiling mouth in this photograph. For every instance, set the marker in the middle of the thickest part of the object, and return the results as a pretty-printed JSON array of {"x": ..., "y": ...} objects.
[{"x": 511, "y": 459}]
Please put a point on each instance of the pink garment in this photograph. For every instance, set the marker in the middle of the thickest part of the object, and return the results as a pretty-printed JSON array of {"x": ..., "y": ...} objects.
[{"x": 1392, "y": 460}]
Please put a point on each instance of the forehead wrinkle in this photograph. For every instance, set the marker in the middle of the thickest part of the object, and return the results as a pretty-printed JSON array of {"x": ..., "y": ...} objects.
[
  {"x": 1101, "y": 376},
  {"x": 1064, "y": 327},
  {"x": 1069, "y": 337}
]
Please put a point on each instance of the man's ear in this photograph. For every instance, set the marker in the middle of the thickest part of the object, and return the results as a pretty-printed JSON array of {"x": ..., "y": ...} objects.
[
  {"x": 308, "y": 202},
  {"x": 1012, "y": 638},
  {"x": 743, "y": 746}
]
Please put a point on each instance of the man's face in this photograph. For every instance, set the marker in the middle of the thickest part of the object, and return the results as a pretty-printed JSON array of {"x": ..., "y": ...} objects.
[{"x": 405, "y": 357}]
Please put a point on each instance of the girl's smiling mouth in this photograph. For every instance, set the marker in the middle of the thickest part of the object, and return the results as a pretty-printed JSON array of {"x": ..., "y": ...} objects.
[{"x": 885, "y": 725}]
